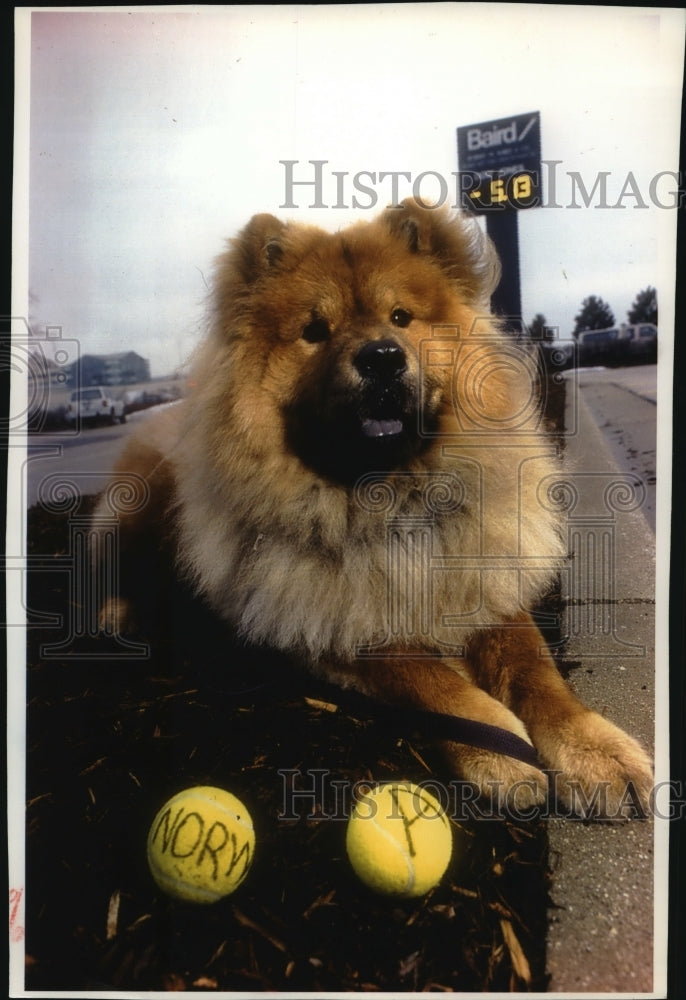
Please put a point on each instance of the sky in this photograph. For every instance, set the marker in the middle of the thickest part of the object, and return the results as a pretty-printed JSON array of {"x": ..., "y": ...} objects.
[{"x": 147, "y": 137}]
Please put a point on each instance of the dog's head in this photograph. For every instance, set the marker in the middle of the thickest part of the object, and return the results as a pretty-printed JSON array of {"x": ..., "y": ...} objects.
[{"x": 332, "y": 328}]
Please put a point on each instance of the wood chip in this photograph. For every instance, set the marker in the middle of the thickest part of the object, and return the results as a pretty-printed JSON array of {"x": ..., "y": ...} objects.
[
  {"x": 92, "y": 767},
  {"x": 408, "y": 965},
  {"x": 138, "y": 921},
  {"x": 247, "y": 922},
  {"x": 179, "y": 694},
  {"x": 519, "y": 960},
  {"x": 113, "y": 915},
  {"x": 38, "y": 798},
  {"x": 469, "y": 893},
  {"x": 324, "y": 900},
  {"x": 173, "y": 983},
  {"x": 219, "y": 952},
  {"x": 418, "y": 757},
  {"x": 323, "y": 706},
  {"x": 205, "y": 983}
]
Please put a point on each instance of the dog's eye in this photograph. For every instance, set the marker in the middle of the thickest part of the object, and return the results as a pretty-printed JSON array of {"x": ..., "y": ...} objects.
[
  {"x": 401, "y": 317},
  {"x": 316, "y": 331}
]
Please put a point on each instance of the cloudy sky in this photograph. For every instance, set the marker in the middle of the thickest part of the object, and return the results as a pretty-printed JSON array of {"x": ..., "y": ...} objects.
[{"x": 152, "y": 135}]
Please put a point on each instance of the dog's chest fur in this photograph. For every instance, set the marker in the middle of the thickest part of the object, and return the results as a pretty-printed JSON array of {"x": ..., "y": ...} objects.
[{"x": 324, "y": 572}]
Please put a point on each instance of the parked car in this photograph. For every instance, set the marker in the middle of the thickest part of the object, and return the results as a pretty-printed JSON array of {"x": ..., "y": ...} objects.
[
  {"x": 638, "y": 343},
  {"x": 598, "y": 347},
  {"x": 628, "y": 344},
  {"x": 94, "y": 404},
  {"x": 142, "y": 399}
]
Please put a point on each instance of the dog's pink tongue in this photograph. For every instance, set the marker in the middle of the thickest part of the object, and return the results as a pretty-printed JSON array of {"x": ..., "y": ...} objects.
[{"x": 381, "y": 428}]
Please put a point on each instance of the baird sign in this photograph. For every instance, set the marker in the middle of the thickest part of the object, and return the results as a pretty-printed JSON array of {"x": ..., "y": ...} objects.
[{"x": 500, "y": 163}]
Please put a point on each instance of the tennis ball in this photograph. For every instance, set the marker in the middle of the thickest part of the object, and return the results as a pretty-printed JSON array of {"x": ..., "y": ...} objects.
[
  {"x": 201, "y": 844},
  {"x": 399, "y": 839}
]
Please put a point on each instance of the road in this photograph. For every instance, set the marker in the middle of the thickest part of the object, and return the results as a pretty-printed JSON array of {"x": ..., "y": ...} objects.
[
  {"x": 82, "y": 461},
  {"x": 623, "y": 403},
  {"x": 601, "y": 930}
]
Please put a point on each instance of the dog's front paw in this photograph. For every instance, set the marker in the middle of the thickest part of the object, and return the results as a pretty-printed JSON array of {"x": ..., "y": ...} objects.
[
  {"x": 597, "y": 770},
  {"x": 116, "y": 616},
  {"x": 509, "y": 785}
]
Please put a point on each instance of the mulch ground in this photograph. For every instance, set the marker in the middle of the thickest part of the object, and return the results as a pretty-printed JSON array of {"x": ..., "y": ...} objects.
[{"x": 110, "y": 738}]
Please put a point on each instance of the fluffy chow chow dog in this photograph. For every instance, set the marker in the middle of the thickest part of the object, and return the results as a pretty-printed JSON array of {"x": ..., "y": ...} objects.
[{"x": 359, "y": 479}]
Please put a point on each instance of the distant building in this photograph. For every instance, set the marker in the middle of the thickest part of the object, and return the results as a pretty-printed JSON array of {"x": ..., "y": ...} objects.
[{"x": 124, "y": 368}]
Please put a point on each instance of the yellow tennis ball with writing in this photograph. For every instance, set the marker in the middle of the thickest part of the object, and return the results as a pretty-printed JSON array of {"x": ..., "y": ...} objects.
[
  {"x": 201, "y": 844},
  {"x": 399, "y": 839}
]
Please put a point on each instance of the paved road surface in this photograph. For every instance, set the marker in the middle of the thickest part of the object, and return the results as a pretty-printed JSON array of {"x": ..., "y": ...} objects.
[
  {"x": 601, "y": 933},
  {"x": 84, "y": 459},
  {"x": 623, "y": 402}
]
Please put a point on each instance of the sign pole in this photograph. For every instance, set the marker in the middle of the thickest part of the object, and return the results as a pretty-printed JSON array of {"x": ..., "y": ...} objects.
[{"x": 503, "y": 229}]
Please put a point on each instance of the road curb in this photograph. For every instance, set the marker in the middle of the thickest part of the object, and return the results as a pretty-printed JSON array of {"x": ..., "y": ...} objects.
[{"x": 601, "y": 925}]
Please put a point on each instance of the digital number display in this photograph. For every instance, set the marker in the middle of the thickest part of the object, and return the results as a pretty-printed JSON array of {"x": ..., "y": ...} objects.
[{"x": 482, "y": 193}]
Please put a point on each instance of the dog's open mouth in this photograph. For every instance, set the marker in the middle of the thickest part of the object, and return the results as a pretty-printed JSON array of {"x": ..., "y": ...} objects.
[
  {"x": 351, "y": 441},
  {"x": 344, "y": 431},
  {"x": 385, "y": 412},
  {"x": 382, "y": 427}
]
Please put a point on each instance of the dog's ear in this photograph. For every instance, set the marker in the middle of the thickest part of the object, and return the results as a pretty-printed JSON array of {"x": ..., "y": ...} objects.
[
  {"x": 258, "y": 247},
  {"x": 412, "y": 224},
  {"x": 455, "y": 241},
  {"x": 253, "y": 253}
]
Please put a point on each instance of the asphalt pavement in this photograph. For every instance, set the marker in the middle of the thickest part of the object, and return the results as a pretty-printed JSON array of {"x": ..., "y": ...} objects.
[
  {"x": 76, "y": 461},
  {"x": 623, "y": 403},
  {"x": 602, "y": 935}
]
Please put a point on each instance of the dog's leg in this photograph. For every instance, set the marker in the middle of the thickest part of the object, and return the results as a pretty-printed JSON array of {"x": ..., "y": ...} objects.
[
  {"x": 436, "y": 686},
  {"x": 601, "y": 769},
  {"x": 140, "y": 554}
]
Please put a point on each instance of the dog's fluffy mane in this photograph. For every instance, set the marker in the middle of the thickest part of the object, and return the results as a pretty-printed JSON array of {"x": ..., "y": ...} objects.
[{"x": 298, "y": 562}]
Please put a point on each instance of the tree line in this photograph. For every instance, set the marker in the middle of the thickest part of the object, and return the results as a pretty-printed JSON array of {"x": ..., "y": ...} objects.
[{"x": 595, "y": 314}]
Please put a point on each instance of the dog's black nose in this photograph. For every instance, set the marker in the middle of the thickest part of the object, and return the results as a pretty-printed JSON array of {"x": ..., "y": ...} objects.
[{"x": 381, "y": 359}]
